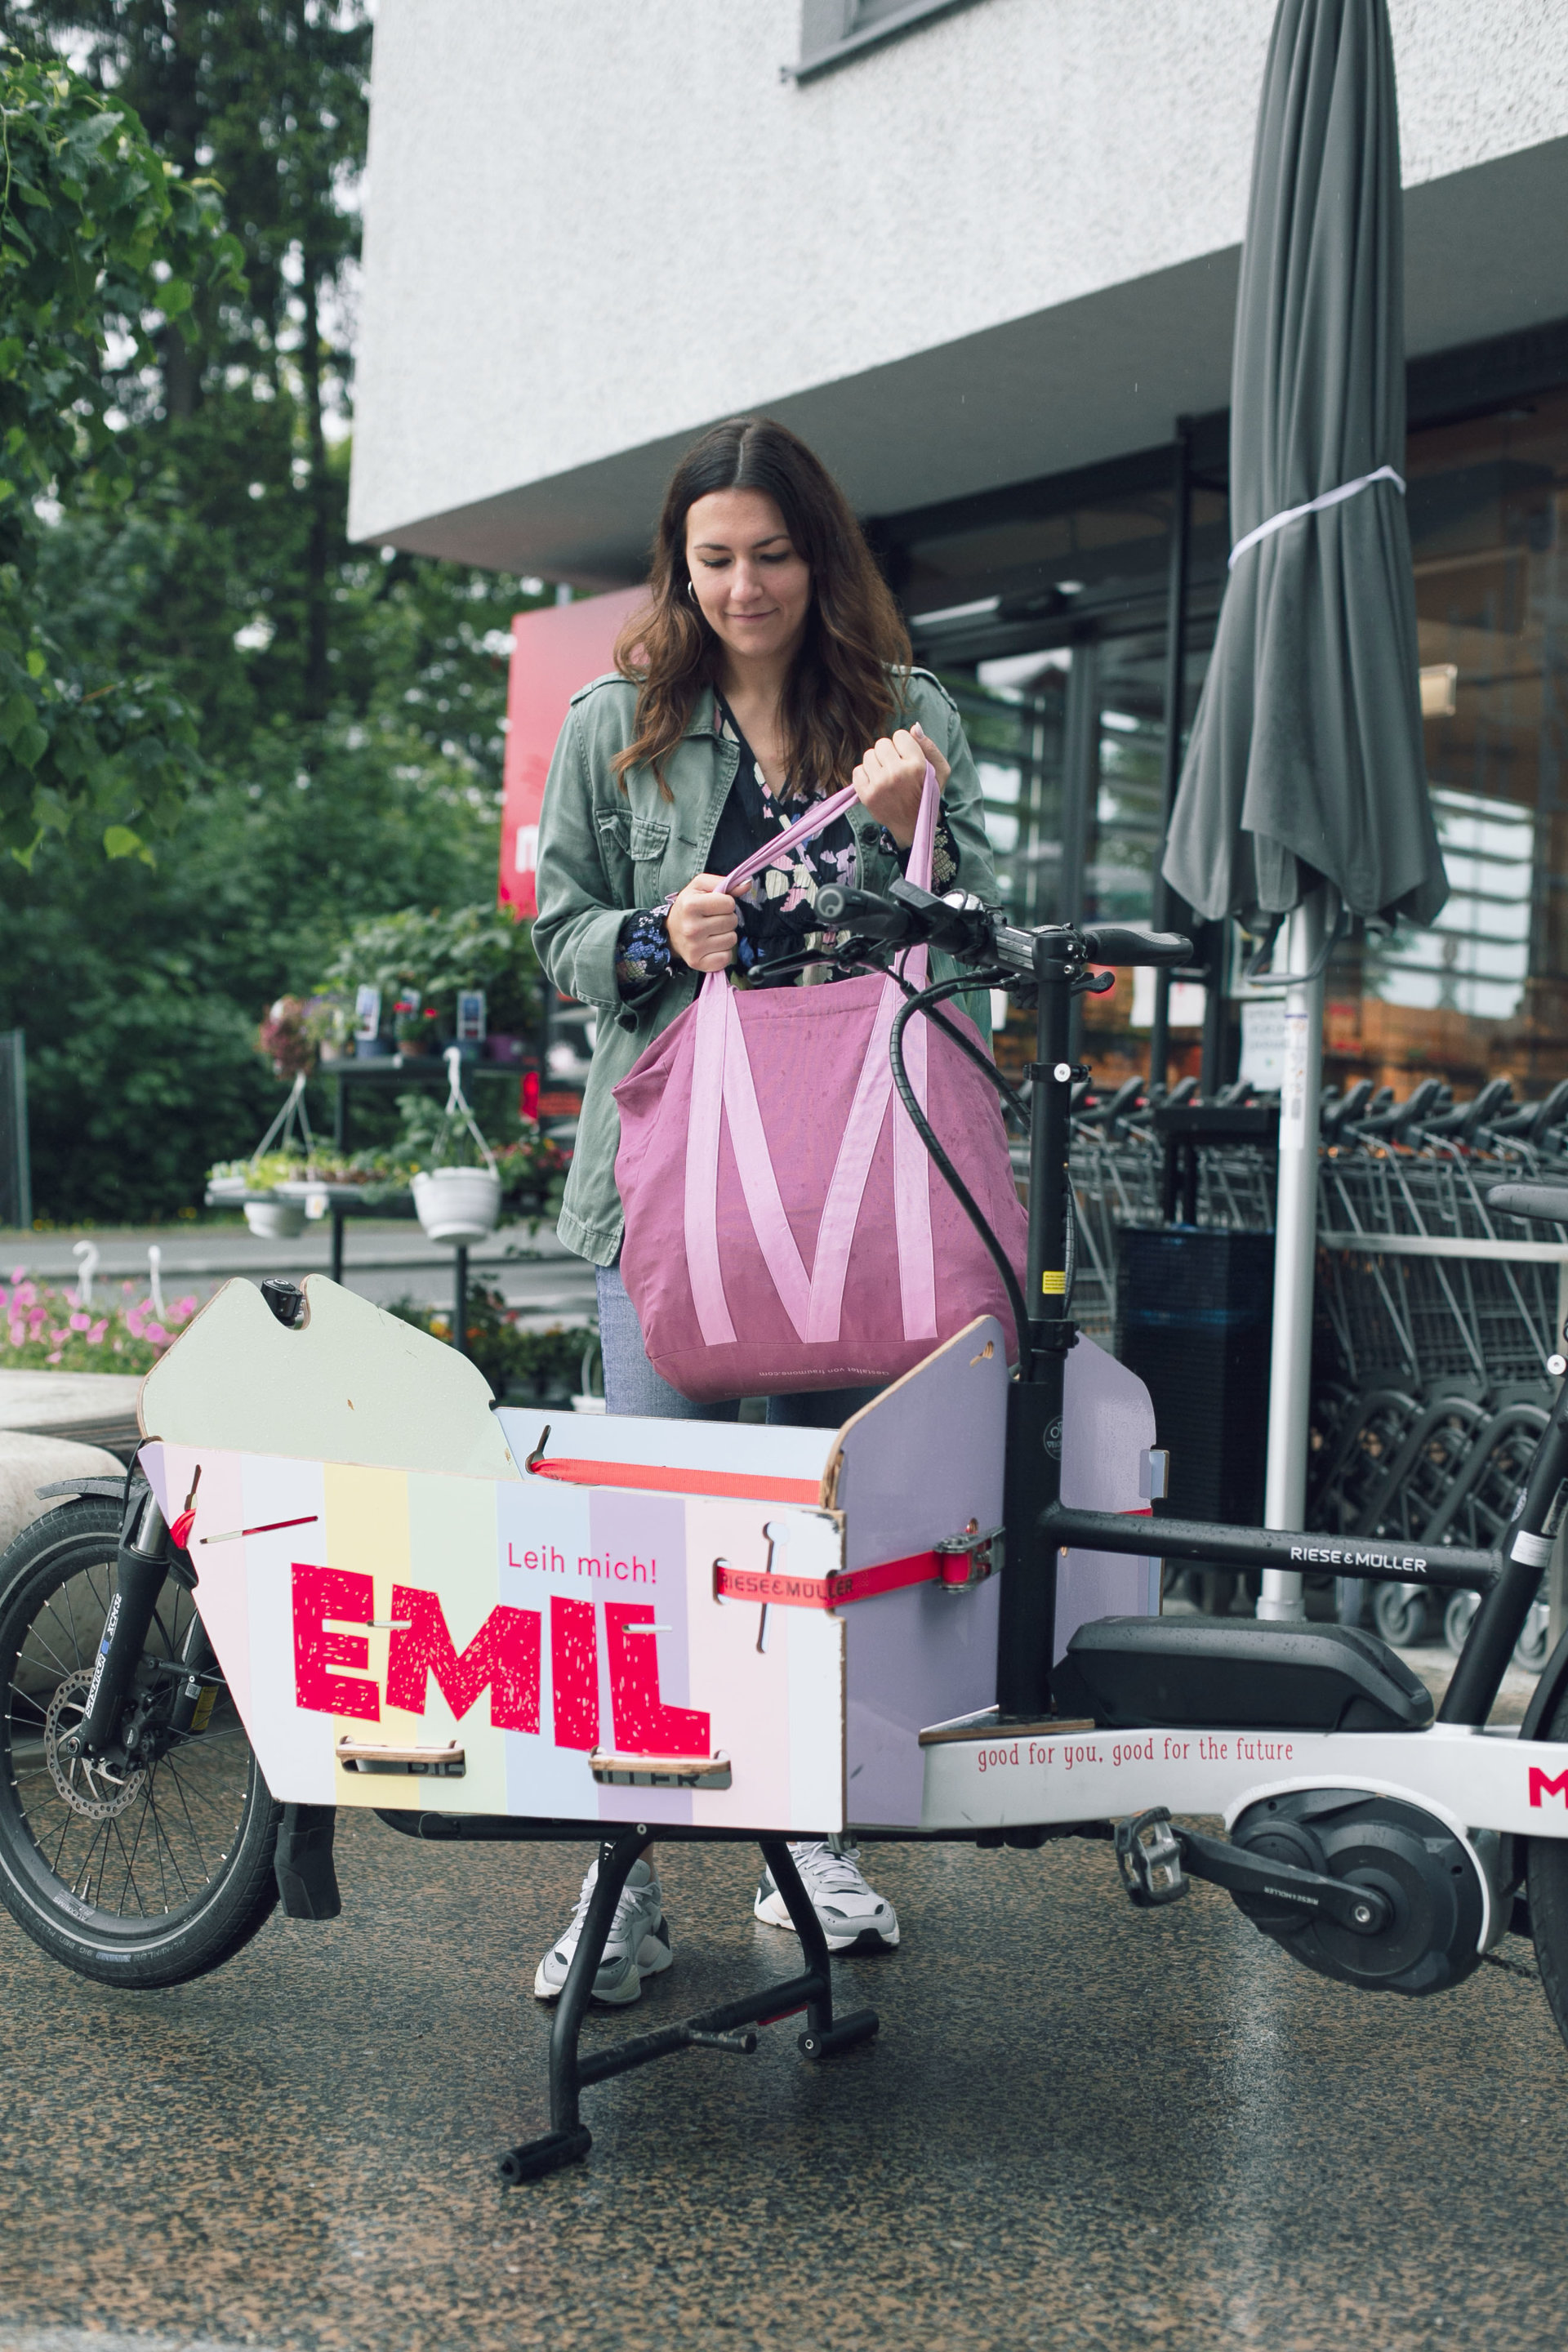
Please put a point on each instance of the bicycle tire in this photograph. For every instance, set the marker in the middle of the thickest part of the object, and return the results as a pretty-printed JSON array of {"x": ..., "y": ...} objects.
[{"x": 105, "y": 1904}]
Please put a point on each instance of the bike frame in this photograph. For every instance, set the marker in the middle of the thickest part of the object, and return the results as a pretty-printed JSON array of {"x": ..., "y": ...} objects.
[{"x": 1038, "y": 1524}]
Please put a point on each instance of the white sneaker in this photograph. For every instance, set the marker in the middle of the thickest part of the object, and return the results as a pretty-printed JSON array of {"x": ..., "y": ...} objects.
[
  {"x": 637, "y": 1945},
  {"x": 855, "y": 1917}
]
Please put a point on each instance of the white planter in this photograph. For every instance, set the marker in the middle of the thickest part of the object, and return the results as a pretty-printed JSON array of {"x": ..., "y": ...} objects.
[
  {"x": 458, "y": 1204},
  {"x": 276, "y": 1220}
]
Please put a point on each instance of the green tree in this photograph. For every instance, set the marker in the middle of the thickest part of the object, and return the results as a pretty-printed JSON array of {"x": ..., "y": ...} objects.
[
  {"x": 347, "y": 704},
  {"x": 98, "y": 237}
]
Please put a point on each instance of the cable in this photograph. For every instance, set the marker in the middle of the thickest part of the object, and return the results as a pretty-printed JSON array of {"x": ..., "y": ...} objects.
[
  {"x": 920, "y": 1002},
  {"x": 1070, "y": 1275},
  {"x": 976, "y": 1052}
]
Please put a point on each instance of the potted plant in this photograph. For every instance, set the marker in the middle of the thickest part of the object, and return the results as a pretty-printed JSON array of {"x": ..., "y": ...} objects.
[
  {"x": 457, "y": 1197},
  {"x": 284, "y": 1036},
  {"x": 414, "y": 1026},
  {"x": 330, "y": 1026}
]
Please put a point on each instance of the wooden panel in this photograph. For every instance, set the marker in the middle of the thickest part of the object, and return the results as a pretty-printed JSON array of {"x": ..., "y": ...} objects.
[
  {"x": 1108, "y": 1424},
  {"x": 350, "y": 1384},
  {"x": 532, "y": 1624}
]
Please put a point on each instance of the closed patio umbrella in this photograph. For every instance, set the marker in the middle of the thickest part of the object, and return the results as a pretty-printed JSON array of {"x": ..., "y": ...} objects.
[{"x": 1304, "y": 790}]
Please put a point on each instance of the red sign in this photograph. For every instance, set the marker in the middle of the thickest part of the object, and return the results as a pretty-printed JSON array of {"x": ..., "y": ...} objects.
[{"x": 553, "y": 652}]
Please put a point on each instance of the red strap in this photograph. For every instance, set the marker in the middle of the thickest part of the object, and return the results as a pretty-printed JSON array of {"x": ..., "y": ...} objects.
[
  {"x": 678, "y": 1482},
  {"x": 826, "y": 1591}
]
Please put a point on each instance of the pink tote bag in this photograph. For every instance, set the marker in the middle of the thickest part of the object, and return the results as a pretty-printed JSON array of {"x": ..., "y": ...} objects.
[{"x": 785, "y": 1227}]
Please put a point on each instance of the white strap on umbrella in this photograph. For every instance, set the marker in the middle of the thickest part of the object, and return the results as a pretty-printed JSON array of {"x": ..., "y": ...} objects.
[
  {"x": 1315, "y": 506},
  {"x": 457, "y": 1101}
]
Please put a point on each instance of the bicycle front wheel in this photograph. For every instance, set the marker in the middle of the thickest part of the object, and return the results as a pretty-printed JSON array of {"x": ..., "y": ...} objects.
[{"x": 157, "y": 1876}]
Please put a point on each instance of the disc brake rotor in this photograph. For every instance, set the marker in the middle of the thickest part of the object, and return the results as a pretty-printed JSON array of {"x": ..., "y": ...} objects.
[{"x": 88, "y": 1788}]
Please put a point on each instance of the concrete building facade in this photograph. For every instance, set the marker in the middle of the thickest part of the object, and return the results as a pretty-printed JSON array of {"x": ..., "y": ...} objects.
[{"x": 983, "y": 254}]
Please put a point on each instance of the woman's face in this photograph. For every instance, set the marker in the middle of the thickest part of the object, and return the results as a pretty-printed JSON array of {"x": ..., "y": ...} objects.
[{"x": 753, "y": 586}]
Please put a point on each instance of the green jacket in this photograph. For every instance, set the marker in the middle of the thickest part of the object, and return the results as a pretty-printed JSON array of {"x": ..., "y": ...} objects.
[{"x": 605, "y": 851}]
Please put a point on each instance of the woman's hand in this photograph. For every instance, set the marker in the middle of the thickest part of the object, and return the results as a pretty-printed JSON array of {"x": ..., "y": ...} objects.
[
  {"x": 703, "y": 926},
  {"x": 889, "y": 777}
]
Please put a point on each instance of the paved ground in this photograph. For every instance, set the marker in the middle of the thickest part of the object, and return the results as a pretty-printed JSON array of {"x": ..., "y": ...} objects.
[
  {"x": 1081, "y": 2126},
  {"x": 383, "y": 1259}
]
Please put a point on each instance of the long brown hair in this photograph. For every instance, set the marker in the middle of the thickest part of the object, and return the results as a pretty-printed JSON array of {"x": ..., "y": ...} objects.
[{"x": 846, "y": 683}]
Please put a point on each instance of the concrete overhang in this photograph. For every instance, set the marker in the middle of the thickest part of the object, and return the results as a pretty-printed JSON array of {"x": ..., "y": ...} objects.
[{"x": 1066, "y": 387}]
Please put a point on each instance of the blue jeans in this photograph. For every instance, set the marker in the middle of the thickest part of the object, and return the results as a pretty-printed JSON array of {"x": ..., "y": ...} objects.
[{"x": 631, "y": 1384}]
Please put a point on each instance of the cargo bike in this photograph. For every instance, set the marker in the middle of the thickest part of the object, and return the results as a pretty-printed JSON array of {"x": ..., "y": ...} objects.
[{"x": 339, "y": 1575}]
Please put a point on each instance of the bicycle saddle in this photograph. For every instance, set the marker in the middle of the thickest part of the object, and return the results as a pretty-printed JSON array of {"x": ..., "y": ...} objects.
[{"x": 1548, "y": 1201}]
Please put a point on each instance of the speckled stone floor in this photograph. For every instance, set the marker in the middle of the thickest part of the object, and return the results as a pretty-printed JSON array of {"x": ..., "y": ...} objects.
[{"x": 1079, "y": 2127}]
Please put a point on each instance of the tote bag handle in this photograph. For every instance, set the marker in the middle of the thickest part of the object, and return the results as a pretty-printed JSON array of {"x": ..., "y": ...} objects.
[{"x": 722, "y": 1084}]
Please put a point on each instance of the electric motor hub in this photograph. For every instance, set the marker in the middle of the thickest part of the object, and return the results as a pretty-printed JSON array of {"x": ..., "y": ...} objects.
[{"x": 1427, "y": 1873}]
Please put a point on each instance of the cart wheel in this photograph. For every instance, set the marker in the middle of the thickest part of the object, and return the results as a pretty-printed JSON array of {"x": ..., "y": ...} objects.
[
  {"x": 1399, "y": 1613},
  {"x": 1457, "y": 1619},
  {"x": 1530, "y": 1650},
  {"x": 1546, "y": 1884}
]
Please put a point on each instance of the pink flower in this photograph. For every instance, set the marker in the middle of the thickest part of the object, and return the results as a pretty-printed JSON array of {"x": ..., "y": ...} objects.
[
  {"x": 18, "y": 1333},
  {"x": 135, "y": 1322},
  {"x": 186, "y": 1306},
  {"x": 159, "y": 1337},
  {"x": 54, "y": 1358},
  {"x": 26, "y": 1292},
  {"x": 95, "y": 1336},
  {"x": 18, "y": 1274},
  {"x": 80, "y": 1322}
]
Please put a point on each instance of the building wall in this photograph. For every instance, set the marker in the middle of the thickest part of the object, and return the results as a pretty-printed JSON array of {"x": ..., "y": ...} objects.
[{"x": 1002, "y": 245}]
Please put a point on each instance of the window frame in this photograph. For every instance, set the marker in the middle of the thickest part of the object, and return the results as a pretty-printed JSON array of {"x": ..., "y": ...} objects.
[{"x": 823, "y": 50}]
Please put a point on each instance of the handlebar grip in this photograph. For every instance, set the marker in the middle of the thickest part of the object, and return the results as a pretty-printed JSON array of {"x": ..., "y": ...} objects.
[
  {"x": 870, "y": 917},
  {"x": 1129, "y": 943}
]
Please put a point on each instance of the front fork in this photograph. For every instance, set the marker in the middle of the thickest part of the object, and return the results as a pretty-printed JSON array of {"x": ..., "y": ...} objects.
[{"x": 141, "y": 1571}]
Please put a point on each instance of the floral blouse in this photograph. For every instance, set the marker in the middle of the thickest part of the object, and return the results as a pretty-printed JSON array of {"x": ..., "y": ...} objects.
[{"x": 776, "y": 906}]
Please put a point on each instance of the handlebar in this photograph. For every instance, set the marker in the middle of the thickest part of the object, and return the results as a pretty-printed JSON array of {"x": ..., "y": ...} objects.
[
  {"x": 869, "y": 916},
  {"x": 1125, "y": 943},
  {"x": 961, "y": 926}
]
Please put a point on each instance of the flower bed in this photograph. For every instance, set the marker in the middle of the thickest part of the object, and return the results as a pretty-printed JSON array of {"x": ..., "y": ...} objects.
[{"x": 45, "y": 1329}]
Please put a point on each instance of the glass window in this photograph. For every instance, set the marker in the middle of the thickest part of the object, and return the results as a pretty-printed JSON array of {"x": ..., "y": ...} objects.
[
  {"x": 1485, "y": 992},
  {"x": 1047, "y": 620}
]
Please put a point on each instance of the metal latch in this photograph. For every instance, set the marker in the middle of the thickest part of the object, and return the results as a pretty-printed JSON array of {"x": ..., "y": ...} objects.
[
  {"x": 1149, "y": 1856},
  {"x": 967, "y": 1559}
]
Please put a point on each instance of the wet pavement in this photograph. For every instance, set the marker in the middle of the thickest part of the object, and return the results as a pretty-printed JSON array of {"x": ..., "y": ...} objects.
[{"x": 1081, "y": 2126}]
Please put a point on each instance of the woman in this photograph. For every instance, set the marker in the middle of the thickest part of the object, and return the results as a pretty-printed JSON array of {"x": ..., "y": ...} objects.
[{"x": 769, "y": 667}]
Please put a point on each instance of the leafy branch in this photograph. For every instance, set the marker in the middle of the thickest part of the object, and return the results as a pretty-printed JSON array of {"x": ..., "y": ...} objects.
[{"x": 99, "y": 238}]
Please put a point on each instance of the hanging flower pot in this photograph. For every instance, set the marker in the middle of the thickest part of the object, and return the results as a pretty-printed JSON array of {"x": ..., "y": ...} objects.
[
  {"x": 276, "y": 1220},
  {"x": 458, "y": 1204}
]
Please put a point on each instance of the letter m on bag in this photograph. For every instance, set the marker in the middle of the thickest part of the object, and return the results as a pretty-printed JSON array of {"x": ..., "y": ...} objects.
[
  {"x": 503, "y": 1654},
  {"x": 1540, "y": 1786}
]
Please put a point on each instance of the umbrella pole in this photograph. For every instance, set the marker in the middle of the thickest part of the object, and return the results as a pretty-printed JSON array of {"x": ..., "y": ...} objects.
[{"x": 1295, "y": 1251}]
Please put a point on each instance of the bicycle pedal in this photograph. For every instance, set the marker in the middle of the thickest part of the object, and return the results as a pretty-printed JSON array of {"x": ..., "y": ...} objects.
[{"x": 1149, "y": 1856}]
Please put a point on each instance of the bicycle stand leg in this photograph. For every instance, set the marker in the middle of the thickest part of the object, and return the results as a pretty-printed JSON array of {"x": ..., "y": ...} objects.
[
  {"x": 821, "y": 2038},
  {"x": 568, "y": 2139}
]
